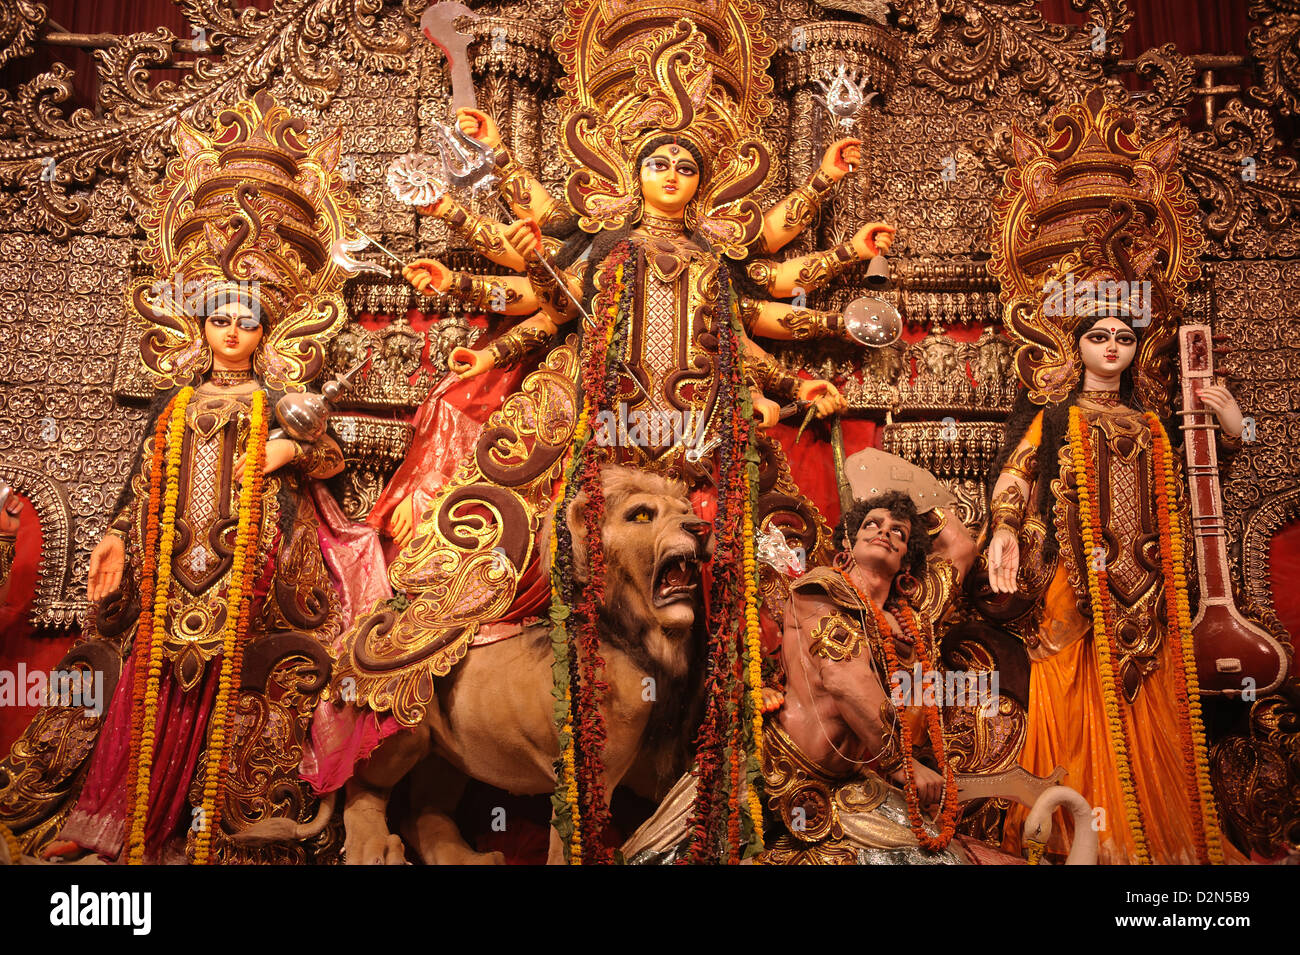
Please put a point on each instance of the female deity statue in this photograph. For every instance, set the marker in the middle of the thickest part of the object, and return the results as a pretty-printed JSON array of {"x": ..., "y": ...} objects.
[
  {"x": 212, "y": 570},
  {"x": 1088, "y": 504},
  {"x": 671, "y": 171},
  {"x": 668, "y": 381}
]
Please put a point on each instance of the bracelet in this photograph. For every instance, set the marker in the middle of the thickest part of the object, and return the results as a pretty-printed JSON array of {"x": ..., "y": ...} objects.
[
  {"x": 749, "y": 310},
  {"x": 515, "y": 344},
  {"x": 1023, "y": 462},
  {"x": 475, "y": 230},
  {"x": 1008, "y": 509},
  {"x": 804, "y": 323},
  {"x": 774, "y": 379},
  {"x": 806, "y": 201},
  {"x": 822, "y": 267},
  {"x": 476, "y": 292},
  {"x": 543, "y": 283},
  {"x": 514, "y": 185}
]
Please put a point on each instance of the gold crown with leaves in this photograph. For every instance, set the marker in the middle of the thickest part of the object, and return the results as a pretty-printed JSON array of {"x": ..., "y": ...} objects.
[
  {"x": 636, "y": 70},
  {"x": 248, "y": 212},
  {"x": 1093, "y": 208}
]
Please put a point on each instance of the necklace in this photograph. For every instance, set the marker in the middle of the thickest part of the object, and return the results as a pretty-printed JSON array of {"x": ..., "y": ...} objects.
[
  {"x": 662, "y": 226},
  {"x": 920, "y": 642},
  {"x": 1110, "y": 399},
  {"x": 229, "y": 377}
]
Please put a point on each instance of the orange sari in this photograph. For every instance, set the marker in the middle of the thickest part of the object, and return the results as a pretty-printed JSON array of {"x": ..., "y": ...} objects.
[{"x": 1067, "y": 726}]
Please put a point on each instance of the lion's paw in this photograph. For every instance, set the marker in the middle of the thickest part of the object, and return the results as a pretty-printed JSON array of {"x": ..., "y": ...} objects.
[{"x": 380, "y": 849}]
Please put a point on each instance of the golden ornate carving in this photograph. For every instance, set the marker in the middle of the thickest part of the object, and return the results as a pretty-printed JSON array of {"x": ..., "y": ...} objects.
[
  {"x": 135, "y": 135},
  {"x": 469, "y": 549},
  {"x": 20, "y": 20},
  {"x": 248, "y": 210},
  {"x": 55, "y": 604},
  {"x": 964, "y": 48}
]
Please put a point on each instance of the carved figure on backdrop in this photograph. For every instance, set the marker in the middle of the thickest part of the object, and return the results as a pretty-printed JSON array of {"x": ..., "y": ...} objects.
[
  {"x": 1089, "y": 519},
  {"x": 211, "y": 581},
  {"x": 668, "y": 377},
  {"x": 10, "y": 509}
]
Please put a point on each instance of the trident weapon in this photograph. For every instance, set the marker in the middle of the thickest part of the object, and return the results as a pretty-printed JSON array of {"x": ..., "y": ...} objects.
[
  {"x": 844, "y": 96},
  {"x": 460, "y": 164}
]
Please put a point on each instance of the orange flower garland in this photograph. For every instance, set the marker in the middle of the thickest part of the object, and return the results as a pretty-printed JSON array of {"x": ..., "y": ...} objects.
[
  {"x": 238, "y": 603},
  {"x": 1209, "y": 844},
  {"x": 753, "y": 676},
  {"x": 921, "y": 639},
  {"x": 144, "y": 628},
  {"x": 158, "y": 622},
  {"x": 1103, "y": 625}
]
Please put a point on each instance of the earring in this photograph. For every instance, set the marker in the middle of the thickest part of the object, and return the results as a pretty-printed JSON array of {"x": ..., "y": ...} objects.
[
  {"x": 843, "y": 560},
  {"x": 690, "y": 217}
]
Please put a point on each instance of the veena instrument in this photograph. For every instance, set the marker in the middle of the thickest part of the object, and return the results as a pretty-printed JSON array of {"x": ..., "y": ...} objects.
[{"x": 1233, "y": 655}]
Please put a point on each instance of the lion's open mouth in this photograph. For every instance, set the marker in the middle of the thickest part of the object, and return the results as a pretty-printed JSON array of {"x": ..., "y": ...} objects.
[{"x": 676, "y": 579}]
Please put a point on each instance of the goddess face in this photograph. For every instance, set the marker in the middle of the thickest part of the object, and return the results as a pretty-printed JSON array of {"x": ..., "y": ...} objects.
[
  {"x": 882, "y": 541},
  {"x": 1107, "y": 348},
  {"x": 233, "y": 332},
  {"x": 670, "y": 177}
]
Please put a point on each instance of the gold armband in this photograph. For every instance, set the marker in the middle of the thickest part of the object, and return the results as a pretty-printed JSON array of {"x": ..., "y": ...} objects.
[
  {"x": 837, "y": 638},
  {"x": 804, "y": 323},
  {"x": 544, "y": 284},
  {"x": 479, "y": 292},
  {"x": 773, "y": 378},
  {"x": 1008, "y": 509},
  {"x": 476, "y": 230},
  {"x": 316, "y": 457},
  {"x": 822, "y": 267},
  {"x": 515, "y": 344},
  {"x": 749, "y": 309},
  {"x": 817, "y": 269},
  {"x": 514, "y": 185},
  {"x": 806, "y": 201},
  {"x": 763, "y": 272},
  {"x": 1023, "y": 463}
]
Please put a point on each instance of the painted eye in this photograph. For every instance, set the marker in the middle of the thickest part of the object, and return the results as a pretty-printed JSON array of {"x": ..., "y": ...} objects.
[
  {"x": 686, "y": 169},
  {"x": 1126, "y": 339},
  {"x": 642, "y": 515}
]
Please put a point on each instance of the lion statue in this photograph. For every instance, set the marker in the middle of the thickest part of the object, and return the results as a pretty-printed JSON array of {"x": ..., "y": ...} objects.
[{"x": 492, "y": 716}]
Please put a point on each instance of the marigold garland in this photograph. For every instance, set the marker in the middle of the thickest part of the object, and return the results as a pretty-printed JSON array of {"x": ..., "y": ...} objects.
[
  {"x": 1209, "y": 839},
  {"x": 165, "y": 528},
  {"x": 1103, "y": 625},
  {"x": 238, "y": 606},
  {"x": 753, "y": 668},
  {"x": 144, "y": 627},
  {"x": 921, "y": 638}
]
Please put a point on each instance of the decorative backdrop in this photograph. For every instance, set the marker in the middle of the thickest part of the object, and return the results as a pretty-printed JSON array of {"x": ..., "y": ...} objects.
[{"x": 80, "y": 152}]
